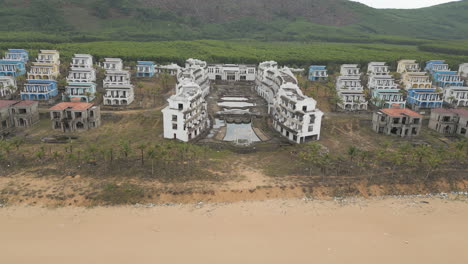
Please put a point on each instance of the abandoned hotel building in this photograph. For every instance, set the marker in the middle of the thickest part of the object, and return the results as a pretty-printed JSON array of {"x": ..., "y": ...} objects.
[{"x": 294, "y": 115}]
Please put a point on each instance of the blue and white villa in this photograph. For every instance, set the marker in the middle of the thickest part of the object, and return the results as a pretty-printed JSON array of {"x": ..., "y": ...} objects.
[
  {"x": 14, "y": 63},
  {"x": 145, "y": 69},
  {"x": 39, "y": 90},
  {"x": 442, "y": 75},
  {"x": 318, "y": 73}
]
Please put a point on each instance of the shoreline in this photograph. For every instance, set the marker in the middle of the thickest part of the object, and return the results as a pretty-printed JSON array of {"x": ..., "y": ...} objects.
[{"x": 426, "y": 229}]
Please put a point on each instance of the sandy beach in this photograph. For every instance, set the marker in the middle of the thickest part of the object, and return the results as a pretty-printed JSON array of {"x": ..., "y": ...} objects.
[{"x": 379, "y": 230}]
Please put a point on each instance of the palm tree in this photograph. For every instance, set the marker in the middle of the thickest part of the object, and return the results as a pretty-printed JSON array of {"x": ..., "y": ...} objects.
[
  {"x": 125, "y": 148},
  {"x": 152, "y": 156},
  {"x": 353, "y": 151},
  {"x": 142, "y": 148}
]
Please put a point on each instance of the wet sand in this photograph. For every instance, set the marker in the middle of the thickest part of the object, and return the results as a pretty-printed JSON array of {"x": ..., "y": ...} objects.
[{"x": 390, "y": 230}]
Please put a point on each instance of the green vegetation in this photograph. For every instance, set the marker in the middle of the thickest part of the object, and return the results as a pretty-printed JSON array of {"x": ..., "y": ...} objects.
[{"x": 244, "y": 51}]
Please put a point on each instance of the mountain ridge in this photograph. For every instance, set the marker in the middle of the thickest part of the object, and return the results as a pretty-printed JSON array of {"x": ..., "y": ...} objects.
[{"x": 300, "y": 20}]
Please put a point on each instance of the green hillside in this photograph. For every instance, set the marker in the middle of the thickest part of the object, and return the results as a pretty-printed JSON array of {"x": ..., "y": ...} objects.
[{"x": 299, "y": 20}]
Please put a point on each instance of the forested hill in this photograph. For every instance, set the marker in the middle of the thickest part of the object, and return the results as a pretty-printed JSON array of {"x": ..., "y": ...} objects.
[{"x": 303, "y": 20}]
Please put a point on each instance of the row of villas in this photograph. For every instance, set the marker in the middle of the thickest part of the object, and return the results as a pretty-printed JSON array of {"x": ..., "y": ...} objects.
[
  {"x": 294, "y": 115},
  {"x": 148, "y": 69},
  {"x": 42, "y": 77},
  {"x": 12, "y": 65},
  {"x": 454, "y": 90}
]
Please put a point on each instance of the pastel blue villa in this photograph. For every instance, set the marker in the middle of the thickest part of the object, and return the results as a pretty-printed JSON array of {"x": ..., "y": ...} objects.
[
  {"x": 14, "y": 63},
  {"x": 145, "y": 69},
  {"x": 442, "y": 75},
  {"x": 80, "y": 92},
  {"x": 318, "y": 73},
  {"x": 424, "y": 98},
  {"x": 39, "y": 90}
]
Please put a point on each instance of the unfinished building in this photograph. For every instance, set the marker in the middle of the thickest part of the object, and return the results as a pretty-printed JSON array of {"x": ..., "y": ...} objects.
[
  {"x": 397, "y": 122},
  {"x": 294, "y": 115},
  {"x": 186, "y": 116},
  {"x": 17, "y": 114},
  {"x": 75, "y": 116}
]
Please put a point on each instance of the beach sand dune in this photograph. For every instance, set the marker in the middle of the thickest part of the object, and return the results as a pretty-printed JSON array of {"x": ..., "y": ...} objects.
[{"x": 408, "y": 230}]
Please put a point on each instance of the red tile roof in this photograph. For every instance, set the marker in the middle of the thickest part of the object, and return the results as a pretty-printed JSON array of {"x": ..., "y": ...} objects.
[
  {"x": 72, "y": 106},
  {"x": 6, "y": 103},
  {"x": 400, "y": 112}
]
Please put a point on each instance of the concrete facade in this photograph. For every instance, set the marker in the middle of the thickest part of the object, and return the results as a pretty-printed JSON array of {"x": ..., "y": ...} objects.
[
  {"x": 397, "y": 122},
  {"x": 8, "y": 86},
  {"x": 232, "y": 72},
  {"x": 17, "y": 115},
  {"x": 449, "y": 121},
  {"x": 75, "y": 117},
  {"x": 186, "y": 116},
  {"x": 350, "y": 89},
  {"x": 294, "y": 115}
]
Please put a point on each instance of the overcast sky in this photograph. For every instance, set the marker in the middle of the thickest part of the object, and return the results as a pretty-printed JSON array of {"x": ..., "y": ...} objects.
[{"x": 402, "y": 3}]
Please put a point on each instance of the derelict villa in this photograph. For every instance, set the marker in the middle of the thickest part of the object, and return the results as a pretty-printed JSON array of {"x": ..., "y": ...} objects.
[{"x": 75, "y": 116}]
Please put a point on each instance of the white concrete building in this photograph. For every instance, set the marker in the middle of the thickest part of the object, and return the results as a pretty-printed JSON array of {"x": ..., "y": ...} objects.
[
  {"x": 377, "y": 68},
  {"x": 350, "y": 70},
  {"x": 81, "y": 69},
  {"x": 78, "y": 75},
  {"x": 119, "y": 94},
  {"x": 82, "y": 61},
  {"x": 170, "y": 69},
  {"x": 116, "y": 77},
  {"x": 8, "y": 86},
  {"x": 232, "y": 72},
  {"x": 117, "y": 83},
  {"x": 195, "y": 71},
  {"x": 456, "y": 96},
  {"x": 112, "y": 64},
  {"x": 186, "y": 116},
  {"x": 463, "y": 70},
  {"x": 295, "y": 115},
  {"x": 350, "y": 89}
]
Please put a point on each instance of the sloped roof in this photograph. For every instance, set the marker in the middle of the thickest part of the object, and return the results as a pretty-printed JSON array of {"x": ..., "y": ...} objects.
[
  {"x": 75, "y": 106},
  {"x": 400, "y": 112}
]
